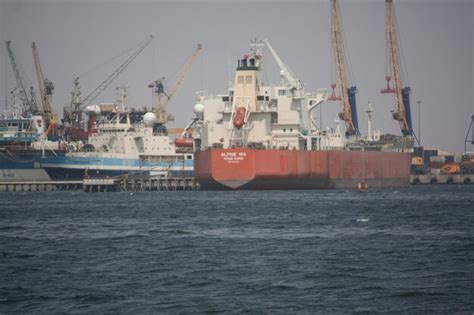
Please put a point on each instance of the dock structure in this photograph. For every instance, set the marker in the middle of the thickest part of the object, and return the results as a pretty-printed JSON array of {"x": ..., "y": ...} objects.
[
  {"x": 442, "y": 179},
  {"x": 41, "y": 185},
  {"x": 139, "y": 184},
  {"x": 93, "y": 184}
]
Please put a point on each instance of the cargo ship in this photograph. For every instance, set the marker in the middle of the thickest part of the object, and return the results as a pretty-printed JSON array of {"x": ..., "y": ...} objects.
[{"x": 261, "y": 136}]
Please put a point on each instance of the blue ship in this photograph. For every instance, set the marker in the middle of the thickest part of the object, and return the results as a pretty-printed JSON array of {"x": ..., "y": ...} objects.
[{"x": 78, "y": 166}]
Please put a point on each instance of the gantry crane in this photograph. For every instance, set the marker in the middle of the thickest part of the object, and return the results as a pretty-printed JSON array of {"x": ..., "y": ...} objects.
[
  {"x": 46, "y": 89},
  {"x": 163, "y": 98},
  {"x": 28, "y": 102},
  {"x": 347, "y": 99},
  {"x": 402, "y": 111}
]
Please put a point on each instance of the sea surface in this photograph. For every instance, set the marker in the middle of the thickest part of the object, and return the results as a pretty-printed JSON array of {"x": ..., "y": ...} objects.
[{"x": 407, "y": 250}]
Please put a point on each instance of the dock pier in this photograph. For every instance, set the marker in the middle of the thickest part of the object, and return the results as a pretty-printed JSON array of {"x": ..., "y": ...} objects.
[
  {"x": 41, "y": 185},
  {"x": 139, "y": 184},
  {"x": 105, "y": 184}
]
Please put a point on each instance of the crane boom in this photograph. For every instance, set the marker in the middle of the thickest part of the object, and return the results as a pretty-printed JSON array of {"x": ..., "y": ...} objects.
[
  {"x": 39, "y": 74},
  {"x": 104, "y": 84},
  {"x": 45, "y": 86},
  {"x": 160, "y": 107},
  {"x": 183, "y": 74},
  {"x": 347, "y": 101},
  {"x": 29, "y": 104},
  {"x": 287, "y": 73},
  {"x": 402, "y": 111}
]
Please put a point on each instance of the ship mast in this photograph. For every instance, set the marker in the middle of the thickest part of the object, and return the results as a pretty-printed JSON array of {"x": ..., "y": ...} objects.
[
  {"x": 347, "y": 100},
  {"x": 402, "y": 111}
]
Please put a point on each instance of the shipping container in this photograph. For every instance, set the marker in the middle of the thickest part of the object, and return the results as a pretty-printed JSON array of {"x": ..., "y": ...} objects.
[
  {"x": 449, "y": 158},
  {"x": 437, "y": 159}
]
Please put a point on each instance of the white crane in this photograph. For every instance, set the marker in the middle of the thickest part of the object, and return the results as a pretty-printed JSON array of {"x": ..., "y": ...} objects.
[{"x": 285, "y": 71}]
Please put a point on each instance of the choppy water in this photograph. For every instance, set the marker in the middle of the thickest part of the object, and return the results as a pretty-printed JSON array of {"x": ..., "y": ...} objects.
[{"x": 405, "y": 251}]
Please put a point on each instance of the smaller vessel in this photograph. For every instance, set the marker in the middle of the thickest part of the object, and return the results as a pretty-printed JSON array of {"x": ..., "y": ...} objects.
[
  {"x": 21, "y": 145},
  {"x": 120, "y": 142},
  {"x": 362, "y": 186}
]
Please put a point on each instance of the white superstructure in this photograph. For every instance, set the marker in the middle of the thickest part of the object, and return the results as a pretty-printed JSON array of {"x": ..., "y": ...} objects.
[{"x": 256, "y": 114}]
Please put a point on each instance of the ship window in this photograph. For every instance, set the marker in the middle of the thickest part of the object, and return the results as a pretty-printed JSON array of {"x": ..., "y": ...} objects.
[
  {"x": 189, "y": 157},
  {"x": 281, "y": 92},
  {"x": 284, "y": 129},
  {"x": 248, "y": 79},
  {"x": 291, "y": 129},
  {"x": 240, "y": 79}
]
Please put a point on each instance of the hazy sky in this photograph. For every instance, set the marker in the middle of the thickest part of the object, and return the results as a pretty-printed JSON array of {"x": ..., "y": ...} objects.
[{"x": 73, "y": 37}]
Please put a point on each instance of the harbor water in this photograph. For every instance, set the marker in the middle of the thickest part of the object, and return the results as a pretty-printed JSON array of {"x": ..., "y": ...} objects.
[{"x": 407, "y": 250}]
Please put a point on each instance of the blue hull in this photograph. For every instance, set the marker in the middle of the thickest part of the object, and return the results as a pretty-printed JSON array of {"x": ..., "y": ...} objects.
[
  {"x": 18, "y": 161},
  {"x": 21, "y": 166},
  {"x": 78, "y": 174},
  {"x": 76, "y": 167}
]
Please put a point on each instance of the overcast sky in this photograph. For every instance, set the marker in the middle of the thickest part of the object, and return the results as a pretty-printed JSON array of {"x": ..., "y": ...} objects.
[{"x": 74, "y": 37}]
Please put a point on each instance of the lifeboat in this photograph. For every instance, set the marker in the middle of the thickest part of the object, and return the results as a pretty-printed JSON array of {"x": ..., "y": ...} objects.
[
  {"x": 239, "y": 118},
  {"x": 184, "y": 142}
]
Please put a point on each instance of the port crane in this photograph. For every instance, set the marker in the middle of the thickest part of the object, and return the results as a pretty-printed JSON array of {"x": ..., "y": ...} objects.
[
  {"x": 347, "y": 98},
  {"x": 402, "y": 111},
  {"x": 286, "y": 72},
  {"x": 163, "y": 98},
  {"x": 466, "y": 140},
  {"x": 73, "y": 114},
  {"x": 46, "y": 89},
  {"x": 28, "y": 101},
  {"x": 104, "y": 84}
]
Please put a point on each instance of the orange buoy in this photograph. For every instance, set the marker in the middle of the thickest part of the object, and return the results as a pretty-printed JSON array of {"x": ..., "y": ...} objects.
[{"x": 362, "y": 187}]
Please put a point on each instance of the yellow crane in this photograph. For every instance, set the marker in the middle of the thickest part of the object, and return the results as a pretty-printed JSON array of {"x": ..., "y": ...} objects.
[
  {"x": 46, "y": 89},
  {"x": 163, "y": 98},
  {"x": 347, "y": 100},
  {"x": 402, "y": 111}
]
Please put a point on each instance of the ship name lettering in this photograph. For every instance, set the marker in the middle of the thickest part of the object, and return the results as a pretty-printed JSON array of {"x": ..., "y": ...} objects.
[{"x": 224, "y": 154}]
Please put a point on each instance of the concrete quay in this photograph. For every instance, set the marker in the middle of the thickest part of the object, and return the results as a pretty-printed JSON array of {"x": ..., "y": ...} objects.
[{"x": 430, "y": 179}]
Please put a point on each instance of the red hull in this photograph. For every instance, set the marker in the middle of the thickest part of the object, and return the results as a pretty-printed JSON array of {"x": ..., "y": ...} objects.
[{"x": 285, "y": 169}]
